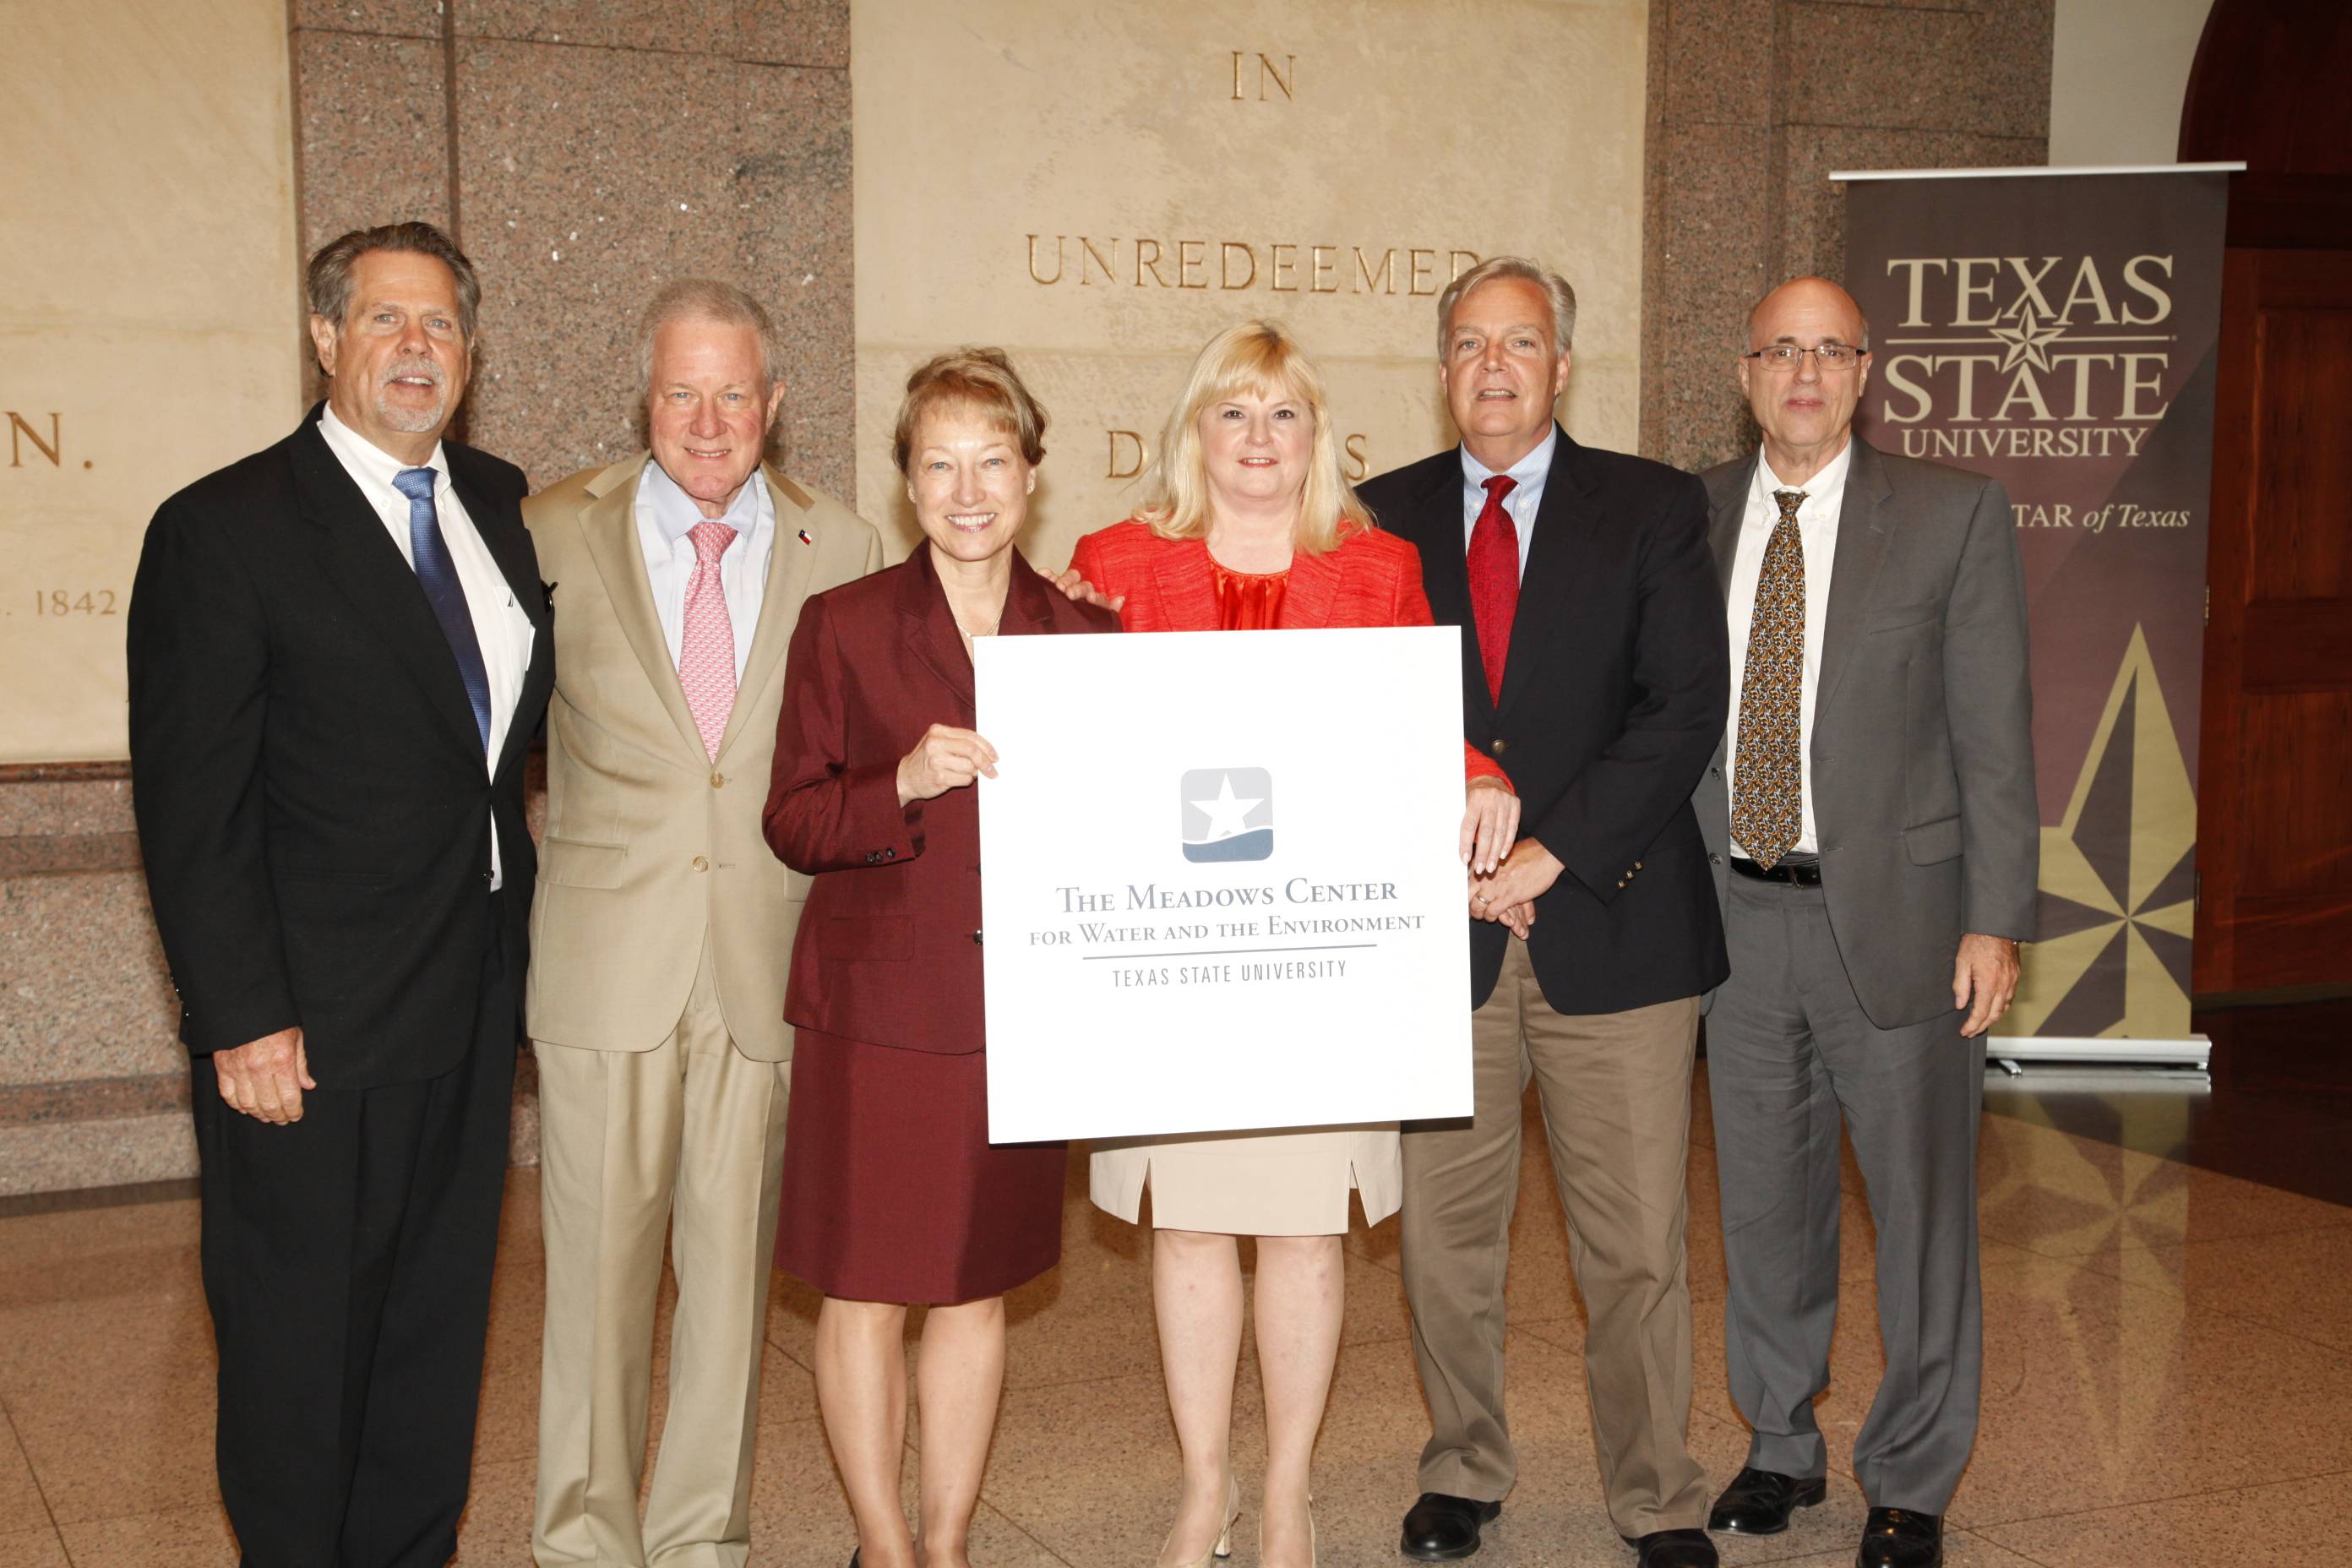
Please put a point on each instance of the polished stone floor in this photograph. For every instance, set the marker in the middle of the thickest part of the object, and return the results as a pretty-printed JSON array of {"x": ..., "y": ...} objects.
[{"x": 2169, "y": 1382}]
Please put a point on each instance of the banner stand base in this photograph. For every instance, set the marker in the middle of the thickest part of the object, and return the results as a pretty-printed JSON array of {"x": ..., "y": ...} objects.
[{"x": 2194, "y": 1052}]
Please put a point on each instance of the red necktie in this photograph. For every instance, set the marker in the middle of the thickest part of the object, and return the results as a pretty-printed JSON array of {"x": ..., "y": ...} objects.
[{"x": 1493, "y": 564}]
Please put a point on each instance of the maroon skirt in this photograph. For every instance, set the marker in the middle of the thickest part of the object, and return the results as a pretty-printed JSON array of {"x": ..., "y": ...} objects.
[{"x": 892, "y": 1191}]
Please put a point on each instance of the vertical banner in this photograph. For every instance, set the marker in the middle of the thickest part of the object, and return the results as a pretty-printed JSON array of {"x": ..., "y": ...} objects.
[{"x": 2056, "y": 331}]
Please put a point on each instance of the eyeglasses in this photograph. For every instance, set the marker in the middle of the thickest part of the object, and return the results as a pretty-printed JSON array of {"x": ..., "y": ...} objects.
[{"x": 1828, "y": 356}]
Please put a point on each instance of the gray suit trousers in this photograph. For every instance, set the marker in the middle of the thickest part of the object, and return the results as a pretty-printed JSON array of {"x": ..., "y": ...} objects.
[{"x": 1789, "y": 1053}]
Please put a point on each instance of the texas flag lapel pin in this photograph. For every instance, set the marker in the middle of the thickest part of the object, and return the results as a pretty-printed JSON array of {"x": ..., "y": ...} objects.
[{"x": 804, "y": 537}]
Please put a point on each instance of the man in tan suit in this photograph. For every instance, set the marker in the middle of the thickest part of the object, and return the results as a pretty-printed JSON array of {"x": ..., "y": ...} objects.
[{"x": 660, "y": 933}]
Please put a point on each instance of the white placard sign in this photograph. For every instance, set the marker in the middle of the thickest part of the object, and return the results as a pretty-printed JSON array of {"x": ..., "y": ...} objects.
[{"x": 1222, "y": 886}]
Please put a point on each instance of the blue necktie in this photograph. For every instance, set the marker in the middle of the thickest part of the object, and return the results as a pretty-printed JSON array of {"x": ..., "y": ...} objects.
[{"x": 438, "y": 573}]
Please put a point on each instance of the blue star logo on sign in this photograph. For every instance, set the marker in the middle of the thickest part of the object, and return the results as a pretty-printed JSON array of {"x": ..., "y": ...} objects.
[{"x": 1226, "y": 813}]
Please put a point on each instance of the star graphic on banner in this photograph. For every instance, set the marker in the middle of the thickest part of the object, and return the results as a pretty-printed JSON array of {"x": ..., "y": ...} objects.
[
  {"x": 2027, "y": 341},
  {"x": 1228, "y": 813},
  {"x": 2118, "y": 879}
]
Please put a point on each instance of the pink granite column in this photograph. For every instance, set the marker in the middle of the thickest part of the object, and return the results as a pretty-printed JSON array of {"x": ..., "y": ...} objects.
[{"x": 1751, "y": 104}]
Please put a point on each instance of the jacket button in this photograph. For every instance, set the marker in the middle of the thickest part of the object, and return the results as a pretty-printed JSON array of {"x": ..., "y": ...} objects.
[
  {"x": 1716, "y": 772},
  {"x": 718, "y": 781},
  {"x": 1714, "y": 859},
  {"x": 702, "y": 862},
  {"x": 1637, "y": 865},
  {"x": 890, "y": 854},
  {"x": 486, "y": 879},
  {"x": 975, "y": 939},
  {"x": 1621, "y": 882},
  {"x": 1498, "y": 745}
]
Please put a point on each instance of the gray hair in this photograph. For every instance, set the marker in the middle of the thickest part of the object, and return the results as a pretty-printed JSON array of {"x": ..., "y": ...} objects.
[
  {"x": 719, "y": 304},
  {"x": 328, "y": 279},
  {"x": 1554, "y": 288},
  {"x": 706, "y": 299}
]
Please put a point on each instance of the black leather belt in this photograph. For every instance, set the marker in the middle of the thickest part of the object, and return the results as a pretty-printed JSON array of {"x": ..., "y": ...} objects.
[{"x": 1794, "y": 873}]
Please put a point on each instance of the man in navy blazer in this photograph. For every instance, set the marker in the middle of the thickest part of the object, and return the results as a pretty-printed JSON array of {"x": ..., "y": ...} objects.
[
  {"x": 1594, "y": 670},
  {"x": 338, "y": 652}
]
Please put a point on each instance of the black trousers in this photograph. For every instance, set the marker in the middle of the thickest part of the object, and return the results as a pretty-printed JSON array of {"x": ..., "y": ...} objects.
[{"x": 347, "y": 1264}]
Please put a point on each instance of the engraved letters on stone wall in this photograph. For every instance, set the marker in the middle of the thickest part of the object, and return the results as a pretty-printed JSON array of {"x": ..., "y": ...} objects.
[
  {"x": 142, "y": 353},
  {"x": 1276, "y": 267},
  {"x": 1122, "y": 182}
]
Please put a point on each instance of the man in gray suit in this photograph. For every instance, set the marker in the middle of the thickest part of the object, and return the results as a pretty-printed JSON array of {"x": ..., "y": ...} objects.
[{"x": 1872, "y": 826}]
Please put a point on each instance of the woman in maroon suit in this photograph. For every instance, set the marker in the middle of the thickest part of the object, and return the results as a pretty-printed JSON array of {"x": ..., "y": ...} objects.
[
  {"x": 892, "y": 1193},
  {"x": 1249, "y": 525}
]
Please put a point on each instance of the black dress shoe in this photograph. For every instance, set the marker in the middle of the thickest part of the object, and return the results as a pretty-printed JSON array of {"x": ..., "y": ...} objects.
[
  {"x": 1759, "y": 1502},
  {"x": 1897, "y": 1538},
  {"x": 1674, "y": 1549},
  {"x": 1441, "y": 1528}
]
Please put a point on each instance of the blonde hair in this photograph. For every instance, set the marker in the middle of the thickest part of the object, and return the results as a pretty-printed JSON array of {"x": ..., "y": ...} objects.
[
  {"x": 1263, "y": 358},
  {"x": 981, "y": 380}
]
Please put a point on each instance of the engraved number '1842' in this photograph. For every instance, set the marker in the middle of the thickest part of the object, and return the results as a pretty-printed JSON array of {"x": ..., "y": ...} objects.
[{"x": 51, "y": 602}]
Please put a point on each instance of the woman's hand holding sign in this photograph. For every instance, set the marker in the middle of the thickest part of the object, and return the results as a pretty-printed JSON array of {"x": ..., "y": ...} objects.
[{"x": 946, "y": 758}]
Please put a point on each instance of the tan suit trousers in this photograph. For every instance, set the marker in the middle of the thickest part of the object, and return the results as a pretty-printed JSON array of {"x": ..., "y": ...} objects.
[
  {"x": 687, "y": 1141},
  {"x": 1616, "y": 1095}
]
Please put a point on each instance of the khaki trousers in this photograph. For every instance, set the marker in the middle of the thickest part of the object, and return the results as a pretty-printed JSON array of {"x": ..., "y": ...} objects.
[
  {"x": 1616, "y": 1094},
  {"x": 685, "y": 1141}
]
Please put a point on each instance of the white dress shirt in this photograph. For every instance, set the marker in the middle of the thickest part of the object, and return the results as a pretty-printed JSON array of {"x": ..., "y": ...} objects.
[
  {"x": 1817, "y": 530},
  {"x": 500, "y": 625},
  {"x": 666, "y": 518},
  {"x": 1524, "y": 499}
]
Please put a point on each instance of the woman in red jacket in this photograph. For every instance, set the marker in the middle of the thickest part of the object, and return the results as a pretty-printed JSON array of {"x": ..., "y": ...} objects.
[
  {"x": 892, "y": 1193},
  {"x": 1250, "y": 525}
]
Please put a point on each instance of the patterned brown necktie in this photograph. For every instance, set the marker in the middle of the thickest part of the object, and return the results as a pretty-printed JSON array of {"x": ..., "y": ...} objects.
[{"x": 1767, "y": 774}]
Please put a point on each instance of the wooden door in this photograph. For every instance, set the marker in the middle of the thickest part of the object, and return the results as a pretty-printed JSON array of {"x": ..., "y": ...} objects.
[
  {"x": 2275, "y": 784},
  {"x": 2275, "y": 817}
]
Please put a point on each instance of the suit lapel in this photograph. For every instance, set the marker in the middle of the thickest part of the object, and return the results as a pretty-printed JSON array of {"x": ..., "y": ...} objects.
[
  {"x": 1863, "y": 535},
  {"x": 790, "y": 564},
  {"x": 1433, "y": 524},
  {"x": 930, "y": 629},
  {"x": 1726, "y": 518},
  {"x": 504, "y": 539},
  {"x": 609, "y": 528},
  {"x": 1436, "y": 525},
  {"x": 360, "y": 557},
  {"x": 1188, "y": 593},
  {"x": 1563, "y": 524},
  {"x": 1313, "y": 588},
  {"x": 1028, "y": 602}
]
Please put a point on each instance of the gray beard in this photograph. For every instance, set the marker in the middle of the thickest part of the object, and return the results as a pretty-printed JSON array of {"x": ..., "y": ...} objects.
[{"x": 410, "y": 422}]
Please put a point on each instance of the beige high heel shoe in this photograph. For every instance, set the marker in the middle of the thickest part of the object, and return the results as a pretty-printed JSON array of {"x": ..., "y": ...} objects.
[{"x": 1224, "y": 1546}]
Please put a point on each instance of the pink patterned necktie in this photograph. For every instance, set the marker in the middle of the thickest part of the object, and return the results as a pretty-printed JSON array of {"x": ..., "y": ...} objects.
[{"x": 706, "y": 654}]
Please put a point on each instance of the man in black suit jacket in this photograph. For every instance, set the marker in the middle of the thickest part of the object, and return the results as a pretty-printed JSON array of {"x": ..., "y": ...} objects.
[
  {"x": 338, "y": 652},
  {"x": 1593, "y": 669}
]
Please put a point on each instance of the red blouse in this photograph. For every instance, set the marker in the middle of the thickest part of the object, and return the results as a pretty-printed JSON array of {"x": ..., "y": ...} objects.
[{"x": 1248, "y": 601}]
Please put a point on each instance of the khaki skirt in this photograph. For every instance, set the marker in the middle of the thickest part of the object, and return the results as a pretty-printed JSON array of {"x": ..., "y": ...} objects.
[{"x": 1252, "y": 1183}]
